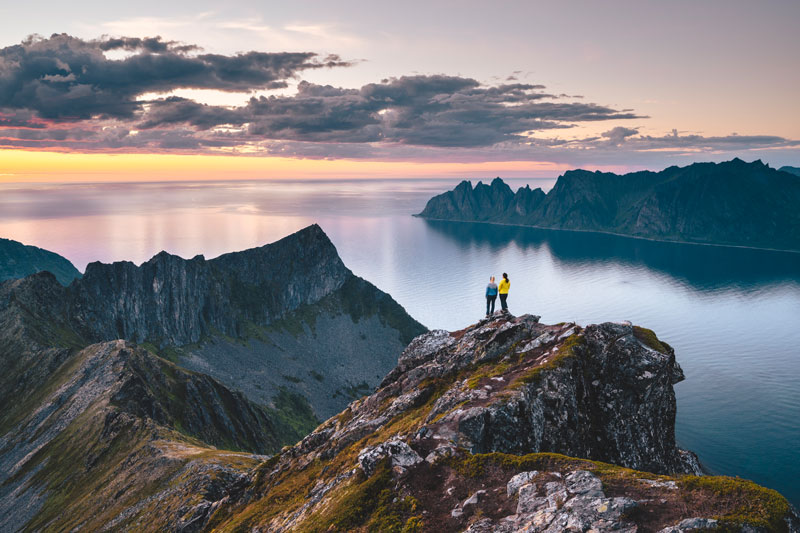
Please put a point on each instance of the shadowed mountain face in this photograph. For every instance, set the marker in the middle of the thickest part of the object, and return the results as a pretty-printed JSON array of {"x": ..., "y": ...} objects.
[
  {"x": 288, "y": 316},
  {"x": 18, "y": 260},
  {"x": 96, "y": 417},
  {"x": 732, "y": 203},
  {"x": 791, "y": 170}
]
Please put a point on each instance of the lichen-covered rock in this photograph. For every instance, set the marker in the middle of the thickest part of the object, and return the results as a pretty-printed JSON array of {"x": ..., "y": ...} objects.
[
  {"x": 398, "y": 452},
  {"x": 576, "y": 503},
  {"x": 523, "y": 478},
  {"x": 692, "y": 524}
]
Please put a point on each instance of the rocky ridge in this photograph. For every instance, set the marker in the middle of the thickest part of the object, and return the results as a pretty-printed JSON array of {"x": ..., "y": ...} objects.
[
  {"x": 106, "y": 428},
  {"x": 730, "y": 203},
  {"x": 250, "y": 319},
  {"x": 462, "y": 436}
]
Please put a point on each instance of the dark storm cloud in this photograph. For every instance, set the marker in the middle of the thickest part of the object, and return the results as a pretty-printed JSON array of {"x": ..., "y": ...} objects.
[
  {"x": 149, "y": 44},
  {"x": 176, "y": 110},
  {"x": 437, "y": 110},
  {"x": 63, "y": 77}
]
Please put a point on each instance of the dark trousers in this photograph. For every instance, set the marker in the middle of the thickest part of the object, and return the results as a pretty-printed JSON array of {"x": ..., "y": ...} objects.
[
  {"x": 490, "y": 302},
  {"x": 503, "y": 304}
]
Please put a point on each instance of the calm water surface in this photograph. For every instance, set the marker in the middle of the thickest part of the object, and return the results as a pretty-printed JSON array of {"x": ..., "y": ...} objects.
[{"x": 733, "y": 316}]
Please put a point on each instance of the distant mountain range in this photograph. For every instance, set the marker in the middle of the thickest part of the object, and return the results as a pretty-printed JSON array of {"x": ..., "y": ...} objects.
[
  {"x": 731, "y": 203},
  {"x": 791, "y": 170},
  {"x": 18, "y": 260}
]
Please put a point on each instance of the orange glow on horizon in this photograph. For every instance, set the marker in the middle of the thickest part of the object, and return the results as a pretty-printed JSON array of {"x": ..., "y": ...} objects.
[{"x": 35, "y": 166}]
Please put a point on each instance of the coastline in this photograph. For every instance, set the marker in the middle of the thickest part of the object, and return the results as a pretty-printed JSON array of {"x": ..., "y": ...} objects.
[{"x": 781, "y": 250}]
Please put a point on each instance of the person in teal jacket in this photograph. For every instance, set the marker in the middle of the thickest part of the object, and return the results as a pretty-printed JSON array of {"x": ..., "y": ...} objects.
[{"x": 491, "y": 296}]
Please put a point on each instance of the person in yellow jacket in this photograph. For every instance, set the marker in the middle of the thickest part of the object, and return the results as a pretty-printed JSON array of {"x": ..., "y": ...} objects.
[{"x": 505, "y": 283}]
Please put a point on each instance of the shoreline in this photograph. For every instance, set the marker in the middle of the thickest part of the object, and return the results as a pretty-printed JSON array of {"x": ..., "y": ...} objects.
[{"x": 652, "y": 239}]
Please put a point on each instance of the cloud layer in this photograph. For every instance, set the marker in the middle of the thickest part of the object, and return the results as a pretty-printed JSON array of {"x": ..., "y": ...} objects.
[
  {"x": 66, "y": 78},
  {"x": 65, "y": 93}
]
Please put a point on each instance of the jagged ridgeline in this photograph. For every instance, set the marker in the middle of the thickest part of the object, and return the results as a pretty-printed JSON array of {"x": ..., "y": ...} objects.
[
  {"x": 731, "y": 203},
  {"x": 131, "y": 379}
]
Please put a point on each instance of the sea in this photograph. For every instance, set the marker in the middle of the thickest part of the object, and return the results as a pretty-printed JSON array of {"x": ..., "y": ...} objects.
[{"x": 732, "y": 314}]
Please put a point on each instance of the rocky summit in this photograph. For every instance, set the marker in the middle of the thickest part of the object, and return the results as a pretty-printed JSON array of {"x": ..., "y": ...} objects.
[
  {"x": 730, "y": 203},
  {"x": 288, "y": 318},
  {"x": 476, "y": 430}
]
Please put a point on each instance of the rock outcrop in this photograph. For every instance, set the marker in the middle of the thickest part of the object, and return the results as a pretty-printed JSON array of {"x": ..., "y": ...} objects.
[
  {"x": 461, "y": 437},
  {"x": 18, "y": 260},
  {"x": 731, "y": 203},
  {"x": 566, "y": 389}
]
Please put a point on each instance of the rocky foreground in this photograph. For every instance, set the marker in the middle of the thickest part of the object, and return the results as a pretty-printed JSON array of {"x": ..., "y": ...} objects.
[{"x": 462, "y": 436}]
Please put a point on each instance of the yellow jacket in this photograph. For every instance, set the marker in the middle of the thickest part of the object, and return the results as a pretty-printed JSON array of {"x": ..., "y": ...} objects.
[{"x": 503, "y": 287}]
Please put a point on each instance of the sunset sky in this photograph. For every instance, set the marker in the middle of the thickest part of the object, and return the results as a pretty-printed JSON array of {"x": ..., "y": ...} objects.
[{"x": 95, "y": 91}]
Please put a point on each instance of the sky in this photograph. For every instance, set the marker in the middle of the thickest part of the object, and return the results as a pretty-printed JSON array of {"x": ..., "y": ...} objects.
[{"x": 98, "y": 90}]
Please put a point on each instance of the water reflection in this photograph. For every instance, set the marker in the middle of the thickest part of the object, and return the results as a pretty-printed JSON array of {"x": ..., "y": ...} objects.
[{"x": 703, "y": 268}]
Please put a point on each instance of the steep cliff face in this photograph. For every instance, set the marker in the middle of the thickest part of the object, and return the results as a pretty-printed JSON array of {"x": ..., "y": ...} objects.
[
  {"x": 176, "y": 301},
  {"x": 331, "y": 352},
  {"x": 410, "y": 456},
  {"x": 18, "y": 260},
  {"x": 284, "y": 320},
  {"x": 528, "y": 388},
  {"x": 735, "y": 203}
]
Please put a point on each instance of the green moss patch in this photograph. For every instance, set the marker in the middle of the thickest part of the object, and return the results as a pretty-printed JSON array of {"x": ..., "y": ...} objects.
[
  {"x": 649, "y": 339},
  {"x": 746, "y": 502},
  {"x": 568, "y": 350},
  {"x": 476, "y": 465},
  {"x": 371, "y": 504}
]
